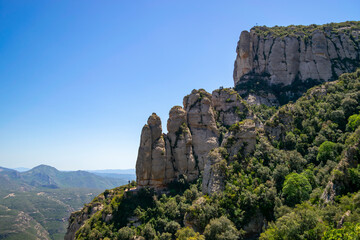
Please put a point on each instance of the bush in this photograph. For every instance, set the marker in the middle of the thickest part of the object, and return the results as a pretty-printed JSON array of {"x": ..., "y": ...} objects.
[
  {"x": 221, "y": 229},
  {"x": 126, "y": 233},
  {"x": 188, "y": 234},
  {"x": 348, "y": 232},
  {"x": 327, "y": 151},
  {"x": 290, "y": 141},
  {"x": 353, "y": 122},
  {"x": 165, "y": 236},
  {"x": 302, "y": 223},
  {"x": 148, "y": 232},
  {"x": 172, "y": 227},
  {"x": 296, "y": 189}
]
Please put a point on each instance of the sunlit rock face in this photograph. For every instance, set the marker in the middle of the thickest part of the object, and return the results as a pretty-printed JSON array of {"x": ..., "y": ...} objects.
[
  {"x": 287, "y": 64},
  {"x": 272, "y": 67},
  {"x": 193, "y": 132}
]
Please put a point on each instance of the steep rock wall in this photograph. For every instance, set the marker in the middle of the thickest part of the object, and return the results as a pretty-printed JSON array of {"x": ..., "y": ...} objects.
[
  {"x": 285, "y": 61},
  {"x": 193, "y": 131}
]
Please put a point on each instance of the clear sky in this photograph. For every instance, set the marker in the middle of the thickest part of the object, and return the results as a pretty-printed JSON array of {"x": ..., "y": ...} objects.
[{"x": 78, "y": 79}]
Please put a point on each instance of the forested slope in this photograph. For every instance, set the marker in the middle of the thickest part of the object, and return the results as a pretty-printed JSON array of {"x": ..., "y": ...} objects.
[{"x": 301, "y": 181}]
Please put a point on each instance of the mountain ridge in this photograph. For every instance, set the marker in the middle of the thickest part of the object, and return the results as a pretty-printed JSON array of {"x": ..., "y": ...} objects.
[{"x": 49, "y": 177}]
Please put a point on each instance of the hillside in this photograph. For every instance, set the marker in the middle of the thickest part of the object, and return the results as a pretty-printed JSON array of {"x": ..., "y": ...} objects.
[
  {"x": 231, "y": 168},
  {"x": 50, "y": 177},
  {"x": 37, "y": 203}
]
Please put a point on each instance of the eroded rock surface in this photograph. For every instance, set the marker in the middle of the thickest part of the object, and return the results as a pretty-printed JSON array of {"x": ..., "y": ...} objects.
[
  {"x": 193, "y": 131},
  {"x": 202, "y": 124},
  {"x": 230, "y": 107},
  {"x": 152, "y": 162},
  {"x": 213, "y": 179},
  {"x": 287, "y": 65}
]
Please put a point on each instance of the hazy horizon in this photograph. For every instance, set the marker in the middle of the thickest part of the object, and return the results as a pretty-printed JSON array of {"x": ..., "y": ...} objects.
[
  {"x": 80, "y": 78},
  {"x": 29, "y": 168}
]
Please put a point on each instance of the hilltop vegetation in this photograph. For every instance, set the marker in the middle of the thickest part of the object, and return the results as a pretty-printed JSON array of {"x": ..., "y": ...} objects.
[
  {"x": 305, "y": 31},
  {"x": 302, "y": 181},
  {"x": 37, "y": 203}
]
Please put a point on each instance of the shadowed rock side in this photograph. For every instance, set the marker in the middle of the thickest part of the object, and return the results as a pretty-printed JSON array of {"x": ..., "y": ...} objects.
[
  {"x": 193, "y": 131},
  {"x": 278, "y": 68}
]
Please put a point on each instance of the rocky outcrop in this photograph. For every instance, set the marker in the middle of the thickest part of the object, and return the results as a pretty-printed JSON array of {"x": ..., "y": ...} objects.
[
  {"x": 153, "y": 166},
  {"x": 230, "y": 107},
  {"x": 273, "y": 66},
  {"x": 181, "y": 147},
  {"x": 241, "y": 140},
  {"x": 202, "y": 124},
  {"x": 193, "y": 131},
  {"x": 213, "y": 177},
  {"x": 286, "y": 61},
  {"x": 78, "y": 218}
]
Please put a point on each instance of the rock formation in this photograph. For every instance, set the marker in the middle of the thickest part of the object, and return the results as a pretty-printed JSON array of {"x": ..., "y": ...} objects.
[
  {"x": 202, "y": 124},
  {"x": 153, "y": 167},
  {"x": 272, "y": 67},
  {"x": 286, "y": 61},
  {"x": 192, "y": 133}
]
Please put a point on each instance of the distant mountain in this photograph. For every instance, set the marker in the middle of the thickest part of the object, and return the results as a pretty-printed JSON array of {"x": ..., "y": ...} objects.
[
  {"x": 117, "y": 171},
  {"x": 41, "y": 199},
  {"x": 51, "y": 178},
  {"x": 125, "y": 174},
  {"x": 21, "y": 169},
  {"x": 126, "y": 177},
  {"x": 40, "y": 213}
]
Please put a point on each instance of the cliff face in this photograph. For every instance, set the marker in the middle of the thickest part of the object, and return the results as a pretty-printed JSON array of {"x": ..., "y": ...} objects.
[
  {"x": 279, "y": 64},
  {"x": 273, "y": 66},
  {"x": 193, "y": 131}
]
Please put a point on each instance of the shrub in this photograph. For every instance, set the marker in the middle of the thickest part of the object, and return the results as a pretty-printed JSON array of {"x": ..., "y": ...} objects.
[
  {"x": 349, "y": 231},
  {"x": 296, "y": 189},
  {"x": 327, "y": 151},
  {"x": 188, "y": 234},
  {"x": 148, "y": 232},
  {"x": 290, "y": 141},
  {"x": 353, "y": 122},
  {"x": 172, "y": 227},
  {"x": 165, "y": 236},
  {"x": 126, "y": 233},
  {"x": 221, "y": 229}
]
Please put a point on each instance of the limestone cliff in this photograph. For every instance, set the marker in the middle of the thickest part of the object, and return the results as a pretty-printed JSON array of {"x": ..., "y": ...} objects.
[{"x": 275, "y": 65}]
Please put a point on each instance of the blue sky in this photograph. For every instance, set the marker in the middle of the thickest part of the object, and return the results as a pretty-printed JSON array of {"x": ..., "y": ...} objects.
[{"x": 78, "y": 79}]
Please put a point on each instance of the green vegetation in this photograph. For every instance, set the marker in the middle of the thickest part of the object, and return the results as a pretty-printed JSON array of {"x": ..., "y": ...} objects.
[
  {"x": 48, "y": 209},
  {"x": 221, "y": 229},
  {"x": 304, "y": 31},
  {"x": 302, "y": 181},
  {"x": 349, "y": 231},
  {"x": 36, "y": 204},
  {"x": 354, "y": 122}
]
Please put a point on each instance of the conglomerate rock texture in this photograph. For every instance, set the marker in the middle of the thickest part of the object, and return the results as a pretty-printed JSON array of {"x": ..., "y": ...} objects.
[
  {"x": 193, "y": 131},
  {"x": 286, "y": 61}
]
